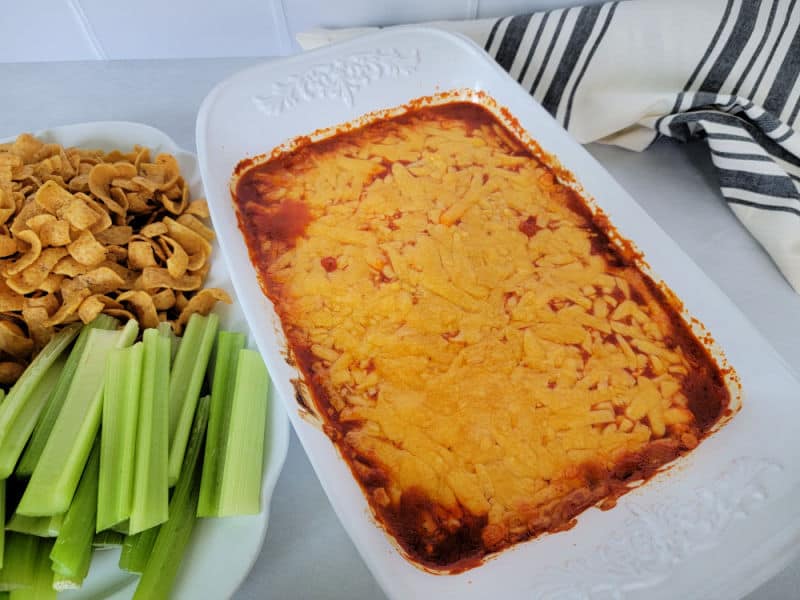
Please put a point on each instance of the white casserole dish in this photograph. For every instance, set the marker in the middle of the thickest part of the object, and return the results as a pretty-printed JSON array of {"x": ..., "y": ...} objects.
[{"x": 718, "y": 523}]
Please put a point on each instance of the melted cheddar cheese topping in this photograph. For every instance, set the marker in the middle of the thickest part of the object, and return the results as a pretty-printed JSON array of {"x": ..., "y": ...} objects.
[{"x": 486, "y": 360}]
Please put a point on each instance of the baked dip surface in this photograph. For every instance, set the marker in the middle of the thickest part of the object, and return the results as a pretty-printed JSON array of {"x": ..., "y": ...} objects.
[{"x": 485, "y": 359}]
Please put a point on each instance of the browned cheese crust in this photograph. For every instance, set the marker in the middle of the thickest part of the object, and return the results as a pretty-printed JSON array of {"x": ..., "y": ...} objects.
[{"x": 488, "y": 363}]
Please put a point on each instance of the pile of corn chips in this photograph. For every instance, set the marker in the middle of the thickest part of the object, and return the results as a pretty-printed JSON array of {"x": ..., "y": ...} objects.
[{"x": 84, "y": 232}]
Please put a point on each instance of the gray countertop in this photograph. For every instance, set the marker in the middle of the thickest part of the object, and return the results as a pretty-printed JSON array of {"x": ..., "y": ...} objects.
[{"x": 307, "y": 553}]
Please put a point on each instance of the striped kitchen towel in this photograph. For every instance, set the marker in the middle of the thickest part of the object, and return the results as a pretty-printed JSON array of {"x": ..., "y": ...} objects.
[{"x": 625, "y": 73}]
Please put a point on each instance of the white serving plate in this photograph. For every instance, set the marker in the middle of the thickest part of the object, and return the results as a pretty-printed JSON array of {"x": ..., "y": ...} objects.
[
  {"x": 717, "y": 524},
  {"x": 221, "y": 551}
]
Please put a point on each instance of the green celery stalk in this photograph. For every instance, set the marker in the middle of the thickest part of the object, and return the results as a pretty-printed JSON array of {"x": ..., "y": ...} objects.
[
  {"x": 2, "y": 504},
  {"x": 38, "y": 526},
  {"x": 123, "y": 528},
  {"x": 20, "y": 558},
  {"x": 107, "y": 539},
  {"x": 62, "y": 583},
  {"x": 56, "y": 400},
  {"x": 243, "y": 462},
  {"x": 42, "y": 585},
  {"x": 18, "y": 396},
  {"x": 226, "y": 356},
  {"x": 21, "y": 427},
  {"x": 166, "y": 330},
  {"x": 128, "y": 334},
  {"x": 136, "y": 549},
  {"x": 150, "y": 484},
  {"x": 118, "y": 435},
  {"x": 186, "y": 380},
  {"x": 162, "y": 566},
  {"x": 2, "y": 520},
  {"x": 72, "y": 551},
  {"x": 56, "y": 475}
]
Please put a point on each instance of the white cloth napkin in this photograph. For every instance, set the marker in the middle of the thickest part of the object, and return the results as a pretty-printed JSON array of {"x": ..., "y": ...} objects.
[{"x": 626, "y": 73}]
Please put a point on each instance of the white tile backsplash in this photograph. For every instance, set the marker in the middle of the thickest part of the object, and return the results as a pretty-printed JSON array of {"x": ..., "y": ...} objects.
[
  {"x": 37, "y": 30},
  {"x": 187, "y": 28},
  {"x": 52, "y": 30}
]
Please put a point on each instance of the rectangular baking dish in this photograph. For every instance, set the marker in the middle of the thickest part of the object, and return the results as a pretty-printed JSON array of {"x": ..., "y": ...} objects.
[{"x": 720, "y": 519}]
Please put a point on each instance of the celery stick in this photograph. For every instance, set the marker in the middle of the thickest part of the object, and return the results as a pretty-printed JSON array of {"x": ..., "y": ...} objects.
[
  {"x": 18, "y": 395},
  {"x": 151, "y": 487},
  {"x": 242, "y": 464},
  {"x": 2, "y": 520},
  {"x": 128, "y": 334},
  {"x": 107, "y": 539},
  {"x": 186, "y": 379},
  {"x": 72, "y": 580},
  {"x": 21, "y": 427},
  {"x": 124, "y": 528},
  {"x": 226, "y": 355},
  {"x": 62, "y": 583},
  {"x": 56, "y": 475},
  {"x": 118, "y": 435},
  {"x": 20, "y": 558},
  {"x": 38, "y": 526},
  {"x": 159, "y": 575},
  {"x": 72, "y": 551},
  {"x": 2, "y": 504},
  {"x": 56, "y": 400},
  {"x": 136, "y": 549},
  {"x": 42, "y": 584},
  {"x": 166, "y": 330}
]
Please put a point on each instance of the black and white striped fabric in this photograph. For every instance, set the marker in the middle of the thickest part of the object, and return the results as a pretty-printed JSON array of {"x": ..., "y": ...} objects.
[{"x": 625, "y": 73}]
